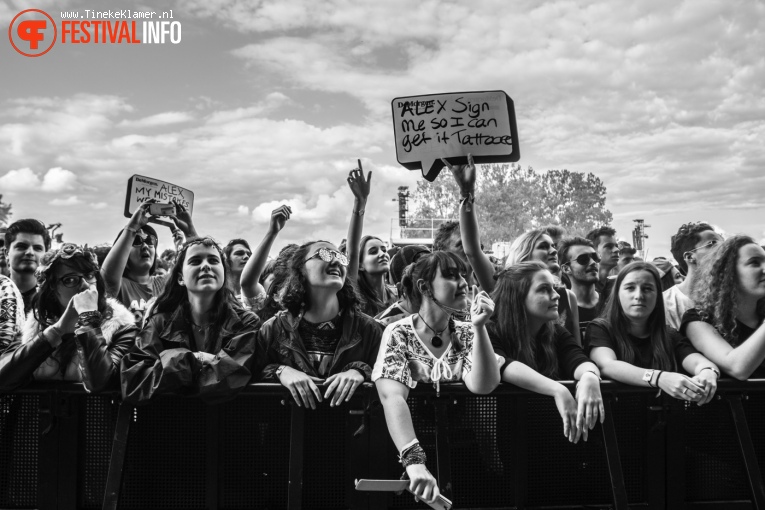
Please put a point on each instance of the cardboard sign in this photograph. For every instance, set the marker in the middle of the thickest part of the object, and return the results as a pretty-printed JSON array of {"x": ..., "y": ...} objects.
[
  {"x": 449, "y": 126},
  {"x": 142, "y": 189}
]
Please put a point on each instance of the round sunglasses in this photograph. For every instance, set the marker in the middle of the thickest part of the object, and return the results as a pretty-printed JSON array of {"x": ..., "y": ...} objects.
[{"x": 327, "y": 255}]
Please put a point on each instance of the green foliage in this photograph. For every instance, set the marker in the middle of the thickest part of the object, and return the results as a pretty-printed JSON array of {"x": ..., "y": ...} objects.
[
  {"x": 5, "y": 212},
  {"x": 511, "y": 200}
]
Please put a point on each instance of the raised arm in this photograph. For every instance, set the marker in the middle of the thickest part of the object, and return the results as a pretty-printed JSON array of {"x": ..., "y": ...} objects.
[
  {"x": 482, "y": 267},
  {"x": 183, "y": 221},
  {"x": 360, "y": 188},
  {"x": 739, "y": 362},
  {"x": 116, "y": 259},
  {"x": 255, "y": 265},
  {"x": 483, "y": 378}
]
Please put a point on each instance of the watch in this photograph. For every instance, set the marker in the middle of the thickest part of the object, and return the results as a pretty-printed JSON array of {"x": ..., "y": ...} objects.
[
  {"x": 279, "y": 371},
  {"x": 647, "y": 376}
]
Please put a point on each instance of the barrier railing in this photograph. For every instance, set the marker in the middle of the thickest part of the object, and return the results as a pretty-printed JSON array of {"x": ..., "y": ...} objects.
[{"x": 61, "y": 448}]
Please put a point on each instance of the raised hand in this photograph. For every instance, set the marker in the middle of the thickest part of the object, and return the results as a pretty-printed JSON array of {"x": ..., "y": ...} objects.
[
  {"x": 86, "y": 301},
  {"x": 140, "y": 217},
  {"x": 279, "y": 217},
  {"x": 463, "y": 174},
  {"x": 359, "y": 186},
  {"x": 183, "y": 221},
  {"x": 482, "y": 308}
]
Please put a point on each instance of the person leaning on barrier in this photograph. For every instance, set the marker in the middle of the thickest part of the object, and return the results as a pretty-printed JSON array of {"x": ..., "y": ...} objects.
[
  {"x": 197, "y": 339},
  {"x": 74, "y": 332},
  {"x": 632, "y": 344},
  {"x": 728, "y": 323},
  {"x": 538, "y": 351},
  {"x": 430, "y": 347},
  {"x": 321, "y": 336}
]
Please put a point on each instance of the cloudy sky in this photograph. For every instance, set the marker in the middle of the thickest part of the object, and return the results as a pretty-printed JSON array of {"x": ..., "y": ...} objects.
[{"x": 271, "y": 102}]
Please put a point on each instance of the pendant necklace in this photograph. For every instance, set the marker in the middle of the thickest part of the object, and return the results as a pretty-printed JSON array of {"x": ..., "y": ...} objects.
[{"x": 436, "y": 340}]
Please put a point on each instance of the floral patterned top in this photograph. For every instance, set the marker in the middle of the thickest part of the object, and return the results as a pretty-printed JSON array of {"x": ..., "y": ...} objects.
[{"x": 405, "y": 358}]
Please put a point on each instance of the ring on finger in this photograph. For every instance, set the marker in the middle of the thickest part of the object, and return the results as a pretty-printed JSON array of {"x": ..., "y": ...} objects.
[{"x": 685, "y": 391}]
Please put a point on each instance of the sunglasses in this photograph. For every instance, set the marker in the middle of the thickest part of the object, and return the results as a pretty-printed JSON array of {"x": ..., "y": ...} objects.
[
  {"x": 144, "y": 239},
  {"x": 73, "y": 280},
  {"x": 584, "y": 258},
  {"x": 713, "y": 242},
  {"x": 327, "y": 255}
]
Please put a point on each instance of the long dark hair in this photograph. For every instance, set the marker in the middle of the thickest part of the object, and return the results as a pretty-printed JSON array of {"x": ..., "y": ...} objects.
[
  {"x": 426, "y": 269},
  {"x": 617, "y": 324},
  {"x": 368, "y": 297},
  {"x": 175, "y": 296},
  {"x": 716, "y": 290},
  {"x": 293, "y": 294},
  {"x": 45, "y": 305},
  {"x": 510, "y": 321},
  {"x": 280, "y": 270}
]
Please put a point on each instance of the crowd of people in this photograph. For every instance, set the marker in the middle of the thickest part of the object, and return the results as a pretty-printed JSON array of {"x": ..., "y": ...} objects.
[{"x": 207, "y": 320}]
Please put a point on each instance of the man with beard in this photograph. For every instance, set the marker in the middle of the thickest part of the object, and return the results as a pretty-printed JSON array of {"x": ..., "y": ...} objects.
[
  {"x": 128, "y": 269},
  {"x": 580, "y": 261},
  {"x": 25, "y": 243}
]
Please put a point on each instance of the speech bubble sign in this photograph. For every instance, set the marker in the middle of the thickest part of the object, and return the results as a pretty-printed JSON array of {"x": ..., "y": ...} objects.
[
  {"x": 434, "y": 126},
  {"x": 142, "y": 189}
]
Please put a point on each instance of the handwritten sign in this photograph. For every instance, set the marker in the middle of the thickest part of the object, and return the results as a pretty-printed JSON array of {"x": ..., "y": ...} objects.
[
  {"x": 449, "y": 126},
  {"x": 142, "y": 189}
]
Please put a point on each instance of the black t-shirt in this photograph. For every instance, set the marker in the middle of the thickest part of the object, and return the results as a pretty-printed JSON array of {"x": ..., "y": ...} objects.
[
  {"x": 598, "y": 336},
  {"x": 744, "y": 332},
  {"x": 27, "y": 297},
  {"x": 587, "y": 315},
  {"x": 320, "y": 341},
  {"x": 570, "y": 354},
  {"x": 564, "y": 310}
]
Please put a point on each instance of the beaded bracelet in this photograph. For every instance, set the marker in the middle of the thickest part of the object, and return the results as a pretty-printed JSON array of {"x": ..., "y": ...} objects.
[
  {"x": 92, "y": 318},
  {"x": 413, "y": 455}
]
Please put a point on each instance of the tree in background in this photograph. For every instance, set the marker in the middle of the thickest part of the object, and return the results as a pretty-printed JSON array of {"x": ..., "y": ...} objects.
[
  {"x": 512, "y": 200},
  {"x": 5, "y": 213}
]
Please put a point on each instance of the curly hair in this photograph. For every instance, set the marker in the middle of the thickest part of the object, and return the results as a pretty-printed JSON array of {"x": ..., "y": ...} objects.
[
  {"x": 510, "y": 321},
  {"x": 280, "y": 270},
  {"x": 294, "y": 294},
  {"x": 686, "y": 239},
  {"x": 46, "y": 306},
  {"x": 443, "y": 234},
  {"x": 614, "y": 320},
  {"x": 175, "y": 296},
  {"x": 426, "y": 269},
  {"x": 716, "y": 291}
]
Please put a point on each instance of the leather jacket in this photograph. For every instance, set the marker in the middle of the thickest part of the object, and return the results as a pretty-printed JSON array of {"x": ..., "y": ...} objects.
[
  {"x": 91, "y": 355},
  {"x": 163, "y": 361},
  {"x": 357, "y": 348}
]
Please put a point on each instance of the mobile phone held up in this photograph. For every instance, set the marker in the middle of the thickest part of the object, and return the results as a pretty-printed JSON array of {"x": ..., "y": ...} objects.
[{"x": 162, "y": 209}]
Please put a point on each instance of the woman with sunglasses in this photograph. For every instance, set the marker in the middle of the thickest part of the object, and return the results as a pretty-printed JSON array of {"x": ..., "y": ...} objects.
[
  {"x": 632, "y": 344},
  {"x": 128, "y": 270},
  {"x": 320, "y": 338},
  {"x": 430, "y": 347},
  {"x": 728, "y": 323},
  {"x": 197, "y": 339},
  {"x": 74, "y": 332},
  {"x": 533, "y": 245}
]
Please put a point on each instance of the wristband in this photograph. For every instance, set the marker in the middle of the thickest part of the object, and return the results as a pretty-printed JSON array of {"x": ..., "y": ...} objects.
[
  {"x": 468, "y": 200},
  {"x": 657, "y": 378},
  {"x": 132, "y": 230},
  {"x": 92, "y": 319},
  {"x": 712, "y": 369},
  {"x": 279, "y": 371},
  {"x": 413, "y": 454},
  {"x": 359, "y": 213}
]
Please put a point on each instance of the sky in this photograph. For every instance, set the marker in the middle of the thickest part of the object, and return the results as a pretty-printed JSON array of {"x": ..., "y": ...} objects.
[{"x": 264, "y": 103}]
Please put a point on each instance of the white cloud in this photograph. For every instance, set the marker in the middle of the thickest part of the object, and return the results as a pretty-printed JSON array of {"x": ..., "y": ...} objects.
[
  {"x": 243, "y": 210},
  {"x": 72, "y": 200},
  {"x": 58, "y": 179},
  {"x": 23, "y": 179},
  {"x": 98, "y": 205},
  {"x": 160, "y": 119}
]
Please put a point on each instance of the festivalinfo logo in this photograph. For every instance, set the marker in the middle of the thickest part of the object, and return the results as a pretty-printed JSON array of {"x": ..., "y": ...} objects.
[{"x": 33, "y": 32}]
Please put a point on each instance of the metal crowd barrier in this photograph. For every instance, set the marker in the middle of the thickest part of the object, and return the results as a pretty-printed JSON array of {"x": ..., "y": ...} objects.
[{"x": 61, "y": 448}]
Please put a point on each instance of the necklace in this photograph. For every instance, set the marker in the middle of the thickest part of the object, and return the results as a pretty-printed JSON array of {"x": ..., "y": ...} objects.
[
  {"x": 436, "y": 340},
  {"x": 200, "y": 329}
]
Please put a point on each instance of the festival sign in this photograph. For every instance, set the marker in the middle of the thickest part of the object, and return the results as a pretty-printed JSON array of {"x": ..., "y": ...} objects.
[
  {"x": 449, "y": 126},
  {"x": 142, "y": 189}
]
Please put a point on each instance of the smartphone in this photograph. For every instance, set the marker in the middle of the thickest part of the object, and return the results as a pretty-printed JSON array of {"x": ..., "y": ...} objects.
[{"x": 162, "y": 209}]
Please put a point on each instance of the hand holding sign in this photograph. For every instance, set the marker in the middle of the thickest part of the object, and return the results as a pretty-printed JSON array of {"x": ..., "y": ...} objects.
[
  {"x": 464, "y": 175},
  {"x": 182, "y": 220},
  {"x": 428, "y": 128}
]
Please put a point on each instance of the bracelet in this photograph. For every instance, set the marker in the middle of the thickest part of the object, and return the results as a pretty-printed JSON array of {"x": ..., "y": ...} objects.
[
  {"x": 132, "y": 230},
  {"x": 712, "y": 369},
  {"x": 359, "y": 213},
  {"x": 279, "y": 371},
  {"x": 91, "y": 318},
  {"x": 413, "y": 455},
  {"x": 657, "y": 378},
  {"x": 468, "y": 200},
  {"x": 591, "y": 372}
]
